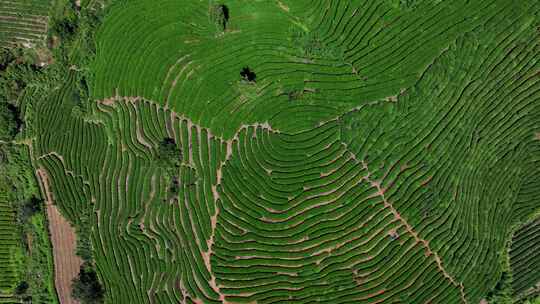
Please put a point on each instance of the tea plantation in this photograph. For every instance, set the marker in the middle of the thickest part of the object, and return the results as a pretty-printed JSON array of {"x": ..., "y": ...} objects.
[
  {"x": 524, "y": 258},
  {"x": 8, "y": 238},
  {"x": 299, "y": 151},
  {"x": 24, "y": 21}
]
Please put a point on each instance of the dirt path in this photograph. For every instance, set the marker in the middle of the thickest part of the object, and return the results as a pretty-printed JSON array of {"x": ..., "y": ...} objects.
[
  {"x": 428, "y": 252},
  {"x": 63, "y": 239},
  {"x": 194, "y": 129}
]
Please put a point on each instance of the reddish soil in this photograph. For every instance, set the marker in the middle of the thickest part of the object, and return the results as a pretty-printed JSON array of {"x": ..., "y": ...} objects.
[
  {"x": 107, "y": 101},
  {"x": 63, "y": 239}
]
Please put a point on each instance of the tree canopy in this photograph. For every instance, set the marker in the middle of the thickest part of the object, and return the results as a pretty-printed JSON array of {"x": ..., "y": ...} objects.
[
  {"x": 86, "y": 287},
  {"x": 219, "y": 14},
  {"x": 248, "y": 75},
  {"x": 9, "y": 124},
  {"x": 168, "y": 154},
  {"x": 28, "y": 208}
]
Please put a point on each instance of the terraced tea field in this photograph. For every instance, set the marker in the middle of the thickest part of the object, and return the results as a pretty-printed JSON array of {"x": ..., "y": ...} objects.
[
  {"x": 23, "y": 22},
  {"x": 9, "y": 246},
  {"x": 525, "y": 259},
  {"x": 323, "y": 151}
]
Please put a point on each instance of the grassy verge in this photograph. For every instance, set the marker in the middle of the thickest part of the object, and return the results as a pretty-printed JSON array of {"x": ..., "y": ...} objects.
[{"x": 30, "y": 254}]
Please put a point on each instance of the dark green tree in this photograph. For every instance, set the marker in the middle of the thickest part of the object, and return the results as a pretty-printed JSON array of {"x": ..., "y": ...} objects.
[
  {"x": 21, "y": 288},
  {"x": 502, "y": 292},
  {"x": 86, "y": 287},
  {"x": 168, "y": 154},
  {"x": 7, "y": 56},
  {"x": 65, "y": 28},
  {"x": 9, "y": 123},
  {"x": 29, "y": 208},
  {"x": 219, "y": 15},
  {"x": 66, "y": 25},
  {"x": 169, "y": 158},
  {"x": 248, "y": 75}
]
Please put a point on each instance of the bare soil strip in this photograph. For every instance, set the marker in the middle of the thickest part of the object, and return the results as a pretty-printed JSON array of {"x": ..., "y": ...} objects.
[{"x": 64, "y": 241}]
